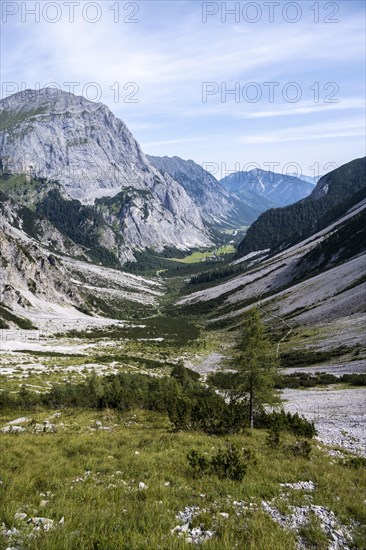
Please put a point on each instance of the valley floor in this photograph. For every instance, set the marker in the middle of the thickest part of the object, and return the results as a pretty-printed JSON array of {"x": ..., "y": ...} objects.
[{"x": 38, "y": 361}]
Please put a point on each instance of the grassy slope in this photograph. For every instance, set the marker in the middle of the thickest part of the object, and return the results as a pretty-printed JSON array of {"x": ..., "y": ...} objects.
[{"x": 104, "y": 512}]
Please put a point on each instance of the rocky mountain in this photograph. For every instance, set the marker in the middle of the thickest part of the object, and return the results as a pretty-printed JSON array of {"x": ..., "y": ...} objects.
[
  {"x": 219, "y": 206},
  {"x": 26, "y": 269},
  {"x": 333, "y": 195},
  {"x": 278, "y": 189},
  {"x": 55, "y": 136},
  {"x": 45, "y": 276}
]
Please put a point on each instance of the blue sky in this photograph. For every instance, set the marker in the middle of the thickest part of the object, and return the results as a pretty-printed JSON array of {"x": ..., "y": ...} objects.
[{"x": 170, "y": 56}]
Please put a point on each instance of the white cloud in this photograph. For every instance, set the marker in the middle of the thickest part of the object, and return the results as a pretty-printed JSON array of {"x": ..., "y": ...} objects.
[{"x": 341, "y": 129}]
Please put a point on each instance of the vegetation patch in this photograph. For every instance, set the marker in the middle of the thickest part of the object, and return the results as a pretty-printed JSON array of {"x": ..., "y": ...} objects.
[{"x": 7, "y": 315}]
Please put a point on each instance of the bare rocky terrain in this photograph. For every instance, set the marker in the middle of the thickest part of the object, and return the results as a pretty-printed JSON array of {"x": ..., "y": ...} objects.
[{"x": 339, "y": 414}]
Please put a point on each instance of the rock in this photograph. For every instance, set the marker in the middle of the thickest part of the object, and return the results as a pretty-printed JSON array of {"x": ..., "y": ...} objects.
[
  {"x": 46, "y": 427},
  {"x": 52, "y": 260},
  {"x": 300, "y": 486},
  {"x": 43, "y": 503},
  {"x": 142, "y": 486},
  {"x": 92, "y": 154},
  {"x": 21, "y": 420},
  {"x": 62, "y": 521},
  {"x": 224, "y": 515},
  {"x": 20, "y": 516},
  {"x": 42, "y": 523},
  {"x": 217, "y": 204},
  {"x": 13, "y": 430},
  {"x": 300, "y": 516},
  {"x": 195, "y": 535},
  {"x": 167, "y": 484}
]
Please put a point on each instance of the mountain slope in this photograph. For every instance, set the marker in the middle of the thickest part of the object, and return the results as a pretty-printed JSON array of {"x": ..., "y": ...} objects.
[
  {"x": 279, "y": 189},
  {"x": 44, "y": 275},
  {"x": 57, "y": 136},
  {"x": 316, "y": 288},
  {"x": 333, "y": 195},
  {"x": 218, "y": 206},
  {"x": 309, "y": 179}
]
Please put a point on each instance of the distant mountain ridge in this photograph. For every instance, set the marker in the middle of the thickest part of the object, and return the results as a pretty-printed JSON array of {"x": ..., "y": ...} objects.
[
  {"x": 333, "y": 195},
  {"x": 217, "y": 204},
  {"x": 310, "y": 179},
  {"x": 278, "y": 189}
]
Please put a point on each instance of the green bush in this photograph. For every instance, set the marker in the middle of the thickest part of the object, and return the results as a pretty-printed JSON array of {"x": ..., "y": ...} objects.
[
  {"x": 231, "y": 462},
  {"x": 293, "y": 423},
  {"x": 356, "y": 462},
  {"x": 301, "y": 448},
  {"x": 198, "y": 462},
  {"x": 180, "y": 413},
  {"x": 273, "y": 439}
]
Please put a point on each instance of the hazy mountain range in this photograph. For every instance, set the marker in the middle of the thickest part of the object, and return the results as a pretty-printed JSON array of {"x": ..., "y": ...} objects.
[
  {"x": 218, "y": 205},
  {"x": 278, "y": 189}
]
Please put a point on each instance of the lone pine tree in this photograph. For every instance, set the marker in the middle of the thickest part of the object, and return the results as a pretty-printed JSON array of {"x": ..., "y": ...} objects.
[{"x": 254, "y": 360}]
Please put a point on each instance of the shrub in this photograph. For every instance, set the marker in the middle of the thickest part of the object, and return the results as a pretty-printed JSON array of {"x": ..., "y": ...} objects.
[
  {"x": 180, "y": 413},
  {"x": 356, "y": 462},
  {"x": 298, "y": 425},
  {"x": 302, "y": 448},
  {"x": 273, "y": 439},
  {"x": 231, "y": 462},
  {"x": 199, "y": 463}
]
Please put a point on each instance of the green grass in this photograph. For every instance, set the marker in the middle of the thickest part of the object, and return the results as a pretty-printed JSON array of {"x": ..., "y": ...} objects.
[
  {"x": 196, "y": 257},
  {"x": 9, "y": 120},
  {"x": 241, "y": 230},
  {"x": 104, "y": 512}
]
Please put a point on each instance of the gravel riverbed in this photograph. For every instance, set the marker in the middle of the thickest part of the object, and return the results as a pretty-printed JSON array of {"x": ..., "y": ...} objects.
[{"x": 339, "y": 414}]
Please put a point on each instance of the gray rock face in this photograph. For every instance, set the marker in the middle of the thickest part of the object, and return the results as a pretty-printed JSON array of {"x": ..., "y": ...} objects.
[
  {"x": 280, "y": 189},
  {"x": 91, "y": 153},
  {"x": 217, "y": 204},
  {"x": 37, "y": 280},
  {"x": 27, "y": 270}
]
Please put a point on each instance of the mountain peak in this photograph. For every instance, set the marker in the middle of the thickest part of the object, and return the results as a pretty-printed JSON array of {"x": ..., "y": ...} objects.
[
  {"x": 44, "y": 96},
  {"x": 55, "y": 135}
]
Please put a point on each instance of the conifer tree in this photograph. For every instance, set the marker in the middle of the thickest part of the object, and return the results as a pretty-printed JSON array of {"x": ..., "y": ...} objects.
[{"x": 254, "y": 360}]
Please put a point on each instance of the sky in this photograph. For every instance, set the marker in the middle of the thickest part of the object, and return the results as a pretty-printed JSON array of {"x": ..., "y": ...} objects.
[{"x": 231, "y": 85}]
